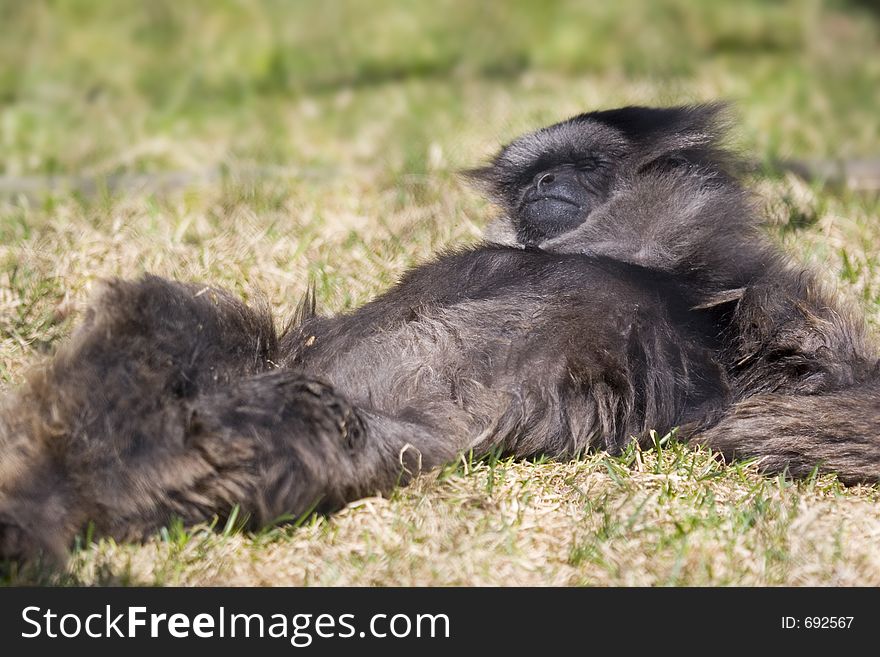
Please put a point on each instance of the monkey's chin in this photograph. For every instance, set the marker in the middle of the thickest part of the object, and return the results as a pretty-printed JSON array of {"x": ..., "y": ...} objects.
[{"x": 552, "y": 216}]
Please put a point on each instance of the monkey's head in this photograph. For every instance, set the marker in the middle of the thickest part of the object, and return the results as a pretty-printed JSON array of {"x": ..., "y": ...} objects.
[
  {"x": 650, "y": 186},
  {"x": 552, "y": 181}
]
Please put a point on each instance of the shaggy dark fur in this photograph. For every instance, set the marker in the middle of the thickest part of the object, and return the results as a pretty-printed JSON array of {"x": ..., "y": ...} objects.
[{"x": 626, "y": 287}]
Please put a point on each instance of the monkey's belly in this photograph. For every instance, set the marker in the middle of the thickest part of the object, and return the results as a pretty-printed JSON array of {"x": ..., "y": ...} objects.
[{"x": 559, "y": 373}]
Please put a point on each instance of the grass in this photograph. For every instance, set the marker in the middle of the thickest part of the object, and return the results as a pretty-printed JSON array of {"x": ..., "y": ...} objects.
[
  {"x": 264, "y": 145},
  {"x": 675, "y": 517}
]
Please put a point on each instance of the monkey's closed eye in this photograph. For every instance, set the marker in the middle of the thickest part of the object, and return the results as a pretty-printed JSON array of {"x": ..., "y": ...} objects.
[{"x": 586, "y": 165}]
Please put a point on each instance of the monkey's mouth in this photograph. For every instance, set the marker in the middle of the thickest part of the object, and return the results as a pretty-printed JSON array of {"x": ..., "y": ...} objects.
[
  {"x": 552, "y": 204},
  {"x": 547, "y": 216},
  {"x": 550, "y": 208},
  {"x": 556, "y": 199},
  {"x": 533, "y": 196}
]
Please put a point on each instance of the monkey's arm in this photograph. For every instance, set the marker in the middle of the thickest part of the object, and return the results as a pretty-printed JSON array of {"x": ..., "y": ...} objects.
[{"x": 837, "y": 432}]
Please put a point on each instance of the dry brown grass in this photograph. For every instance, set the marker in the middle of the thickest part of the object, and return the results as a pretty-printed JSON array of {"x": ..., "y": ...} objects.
[{"x": 691, "y": 523}]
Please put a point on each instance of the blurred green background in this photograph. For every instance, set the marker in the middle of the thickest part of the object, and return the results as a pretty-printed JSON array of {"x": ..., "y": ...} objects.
[{"x": 81, "y": 80}]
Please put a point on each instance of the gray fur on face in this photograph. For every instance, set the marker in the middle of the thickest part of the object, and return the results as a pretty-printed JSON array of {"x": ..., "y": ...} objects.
[{"x": 647, "y": 298}]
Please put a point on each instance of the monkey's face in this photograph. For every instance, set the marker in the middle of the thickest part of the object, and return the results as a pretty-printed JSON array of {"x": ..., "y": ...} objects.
[
  {"x": 559, "y": 198},
  {"x": 548, "y": 182},
  {"x": 552, "y": 181}
]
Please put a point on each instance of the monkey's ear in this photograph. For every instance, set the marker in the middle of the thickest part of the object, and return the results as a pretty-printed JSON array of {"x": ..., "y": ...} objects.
[
  {"x": 479, "y": 177},
  {"x": 489, "y": 180},
  {"x": 484, "y": 178}
]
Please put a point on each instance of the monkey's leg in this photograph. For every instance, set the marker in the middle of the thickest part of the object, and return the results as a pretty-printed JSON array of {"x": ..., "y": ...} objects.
[
  {"x": 837, "y": 432},
  {"x": 113, "y": 402},
  {"x": 279, "y": 445}
]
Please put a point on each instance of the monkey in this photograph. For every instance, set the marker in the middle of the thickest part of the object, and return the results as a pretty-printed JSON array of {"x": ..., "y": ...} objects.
[
  {"x": 625, "y": 287},
  {"x": 804, "y": 374}
]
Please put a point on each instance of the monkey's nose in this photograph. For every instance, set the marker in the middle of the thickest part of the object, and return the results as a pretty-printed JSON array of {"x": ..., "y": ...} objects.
[{"x": 545, "y": 181}]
